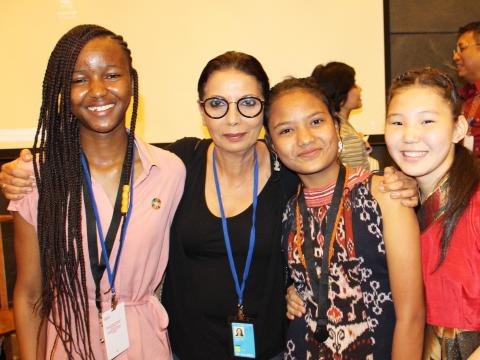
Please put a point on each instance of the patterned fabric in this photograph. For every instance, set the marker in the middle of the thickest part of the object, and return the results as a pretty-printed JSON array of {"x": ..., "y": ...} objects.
[
  {"x": 361, "y": 313},
  {"x": 354, "y": 153},
  {"x": 434, "y": 205},
  {"x": 442, "y": 343},
  {"x": 471, "y": 110}
]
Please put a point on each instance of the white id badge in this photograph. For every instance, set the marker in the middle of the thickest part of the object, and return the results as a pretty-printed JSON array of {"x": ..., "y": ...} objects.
[{"x": 115, "y": 331}]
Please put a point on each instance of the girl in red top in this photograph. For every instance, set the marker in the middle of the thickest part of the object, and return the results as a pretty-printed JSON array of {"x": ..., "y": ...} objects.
[{"x": 423, "y": 130}]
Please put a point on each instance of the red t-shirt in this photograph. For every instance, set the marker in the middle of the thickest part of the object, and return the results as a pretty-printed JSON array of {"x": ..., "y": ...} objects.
[{"x": 453, "y": 290}]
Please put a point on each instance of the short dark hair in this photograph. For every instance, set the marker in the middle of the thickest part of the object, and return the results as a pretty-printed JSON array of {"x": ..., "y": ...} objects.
[
  {"x": 307, "y": 84},
  {"x": 238, "y": 61},
  {"x": 336, "y": 79},
  {"x": 473, "y": 26}
]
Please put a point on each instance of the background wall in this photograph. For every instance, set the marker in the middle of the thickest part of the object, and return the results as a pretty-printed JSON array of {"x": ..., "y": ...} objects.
[
  {"x": 172, "y": 41},
  {"x": 424, "y": 33}
]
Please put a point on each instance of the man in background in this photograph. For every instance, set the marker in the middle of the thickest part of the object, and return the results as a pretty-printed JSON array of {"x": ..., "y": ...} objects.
[{"x": 466, "y": 57}]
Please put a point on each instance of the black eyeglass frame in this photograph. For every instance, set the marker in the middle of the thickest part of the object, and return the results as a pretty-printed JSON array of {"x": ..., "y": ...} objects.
[{"x": 262, "y": 105}]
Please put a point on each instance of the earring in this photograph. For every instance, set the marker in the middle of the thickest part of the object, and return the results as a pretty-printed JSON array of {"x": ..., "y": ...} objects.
[
  {"x": 276, "y": 163},
  {"x": 340, "y": 146}
]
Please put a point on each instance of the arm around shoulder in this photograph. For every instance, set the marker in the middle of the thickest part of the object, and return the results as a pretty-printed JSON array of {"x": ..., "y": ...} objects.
[{"x": 402, "y": 245}]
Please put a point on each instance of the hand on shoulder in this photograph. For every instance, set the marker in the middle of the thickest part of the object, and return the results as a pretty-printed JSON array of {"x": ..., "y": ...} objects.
[
  {"x": 16, "y": 177},
  {"x": 400, "y": 186}
]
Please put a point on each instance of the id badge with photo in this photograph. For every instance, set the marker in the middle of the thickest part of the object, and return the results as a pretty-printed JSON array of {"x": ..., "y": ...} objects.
[
  {"x": 243, "y": 337},
  {"x": 115, "y": 331}
]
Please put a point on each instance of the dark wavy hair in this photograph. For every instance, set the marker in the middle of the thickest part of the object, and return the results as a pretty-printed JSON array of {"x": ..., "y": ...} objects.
[
  {"x": 464, "y": 174},
  {"x": 291, "y": 84},
  {"x": 336, "y": 79},
  {"x": 64, "y": 301},
  {"x": 238, "y": 61}
]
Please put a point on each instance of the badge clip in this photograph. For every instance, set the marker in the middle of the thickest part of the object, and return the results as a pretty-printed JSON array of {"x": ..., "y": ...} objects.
[
  {"x": 240, "y": 313},
  {"x": 114, "y": 301}
]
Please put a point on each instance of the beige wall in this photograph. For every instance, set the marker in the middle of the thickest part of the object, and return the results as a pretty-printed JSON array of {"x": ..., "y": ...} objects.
[{"x": 172, "y": 40}]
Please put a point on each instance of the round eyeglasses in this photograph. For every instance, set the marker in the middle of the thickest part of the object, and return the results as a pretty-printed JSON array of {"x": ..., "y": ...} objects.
[{"x": 217, "y": 107}]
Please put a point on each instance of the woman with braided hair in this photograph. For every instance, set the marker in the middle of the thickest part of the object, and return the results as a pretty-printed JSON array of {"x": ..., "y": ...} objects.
[
  {"x": 84, "y": 276},
  {"x": 207, "y": 296}
]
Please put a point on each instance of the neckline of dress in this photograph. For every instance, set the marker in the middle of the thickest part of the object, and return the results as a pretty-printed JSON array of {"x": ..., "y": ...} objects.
[{"x": 316, "y": 197}]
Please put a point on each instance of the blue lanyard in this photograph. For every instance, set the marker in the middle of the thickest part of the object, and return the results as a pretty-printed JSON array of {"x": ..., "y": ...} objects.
[
  {"x": 111, "y": 274},
  {"x": 239, "y": 289}
]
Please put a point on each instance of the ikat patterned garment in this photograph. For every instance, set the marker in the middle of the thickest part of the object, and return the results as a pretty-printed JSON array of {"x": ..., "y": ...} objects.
[{"x": 361, "y": 313}]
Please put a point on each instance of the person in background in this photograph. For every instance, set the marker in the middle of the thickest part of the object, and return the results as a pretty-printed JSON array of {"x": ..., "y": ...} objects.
[
  {"x": 353, "y": 252},
  {"x": 203, "y": 288},
  {"x": 89, "y": 169},
  {"x": 423, "y": 130},
  {"x": 338, "y": 82},
  {"x": 466, "y": 57}
]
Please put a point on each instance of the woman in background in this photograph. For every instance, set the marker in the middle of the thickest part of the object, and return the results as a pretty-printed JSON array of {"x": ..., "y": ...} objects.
[
  {"x": 338, "y": 82},
  {"x": 423, "y": 132}
]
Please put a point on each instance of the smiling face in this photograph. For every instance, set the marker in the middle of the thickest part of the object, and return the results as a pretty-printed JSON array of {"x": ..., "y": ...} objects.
[
  {"x": 467, "y": 59},
  {"x": 232, "y": 132},
  {"x": 305, "y": 136},
  {"x": 420, "y": 133},
  {"x": 101, "y": 86}
]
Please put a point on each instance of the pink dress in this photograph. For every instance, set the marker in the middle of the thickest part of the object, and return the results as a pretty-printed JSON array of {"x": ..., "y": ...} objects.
[{"x": 143, "y": 261}]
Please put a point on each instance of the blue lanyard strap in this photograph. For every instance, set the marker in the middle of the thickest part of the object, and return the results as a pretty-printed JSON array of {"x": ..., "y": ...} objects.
[
  {"x": 111, "y": 274},
  {"x": 239, "y": 289}
]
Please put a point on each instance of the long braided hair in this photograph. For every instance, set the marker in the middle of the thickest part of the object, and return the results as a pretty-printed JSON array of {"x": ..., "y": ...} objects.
[{"x": 64, "y": 300}]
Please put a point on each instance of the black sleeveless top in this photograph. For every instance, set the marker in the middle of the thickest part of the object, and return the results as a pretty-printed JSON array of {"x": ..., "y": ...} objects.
[{"x": 199, "y": 292}]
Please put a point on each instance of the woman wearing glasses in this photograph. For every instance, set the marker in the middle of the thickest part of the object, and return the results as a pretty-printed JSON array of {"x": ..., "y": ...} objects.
[
  {"x": 226, "y": 270},
  {"x": 232, "y": 169},
  {"x": 225, "y": 263}
]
